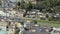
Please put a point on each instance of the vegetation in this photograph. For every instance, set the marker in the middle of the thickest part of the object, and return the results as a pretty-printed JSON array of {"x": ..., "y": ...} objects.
[
  {"x": 0, "y": 2},
  {"x": 51, "y": 6},
  {"x": 46, "y": 23}
]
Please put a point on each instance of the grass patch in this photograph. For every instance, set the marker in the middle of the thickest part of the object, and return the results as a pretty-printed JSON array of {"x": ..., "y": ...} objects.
[{"x": 47, "y": 23}]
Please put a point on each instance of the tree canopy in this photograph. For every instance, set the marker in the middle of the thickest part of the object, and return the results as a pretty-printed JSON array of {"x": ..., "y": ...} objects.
[{"x": 49, "y": 5}]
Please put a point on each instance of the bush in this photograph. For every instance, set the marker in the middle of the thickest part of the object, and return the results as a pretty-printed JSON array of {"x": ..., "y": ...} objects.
[{"x": 42, "y": 18}]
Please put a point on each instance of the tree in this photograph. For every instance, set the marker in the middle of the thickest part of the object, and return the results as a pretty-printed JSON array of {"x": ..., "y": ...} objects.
[
  {"x": 37, "y": 1},
  {"x": 48, "y": 5},
  {"x": 0, "y": 2},
  {"x": 30, "y": 6},
  {"x": 56, "y": 9},
  {"x": 22, "y": 4},
  {"x": 18, "y": 3},
  {"x": 47, "y": 16},
  {"x": 35, "y": 22}
]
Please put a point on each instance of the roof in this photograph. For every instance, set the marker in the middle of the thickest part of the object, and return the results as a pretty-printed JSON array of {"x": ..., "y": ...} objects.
[
  {"x": 2, "y": 13},
  {"x": 57, "y": 29}
]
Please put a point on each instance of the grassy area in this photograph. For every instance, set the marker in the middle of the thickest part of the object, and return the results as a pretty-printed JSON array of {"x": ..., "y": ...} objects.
[{"x": 47, "y": 23}]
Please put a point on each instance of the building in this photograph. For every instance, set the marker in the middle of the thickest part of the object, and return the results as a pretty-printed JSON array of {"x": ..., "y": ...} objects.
[
  {"x": 31, "y": 28},
  {"x": 20, "y": 13},
  {"x": 35, "y": 14}
]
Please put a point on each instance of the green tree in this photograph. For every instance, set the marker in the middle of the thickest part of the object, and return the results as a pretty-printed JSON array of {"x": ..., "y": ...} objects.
[
  {"x": 22, "y": 4},
  {"x": 47, "y": 16},
  {"x": 18, "y": 5},
  {"x": 50, "y": 4},
  {"x": 56, "y": 9},
  {"x": 28, "y": 6},
  {"x": 0, "y": 2}
]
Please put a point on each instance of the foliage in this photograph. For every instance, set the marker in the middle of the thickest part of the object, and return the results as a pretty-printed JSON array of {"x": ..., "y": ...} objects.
[
  {"x": 0, "y": 2},
  {"x": 50, "y": 6}
]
